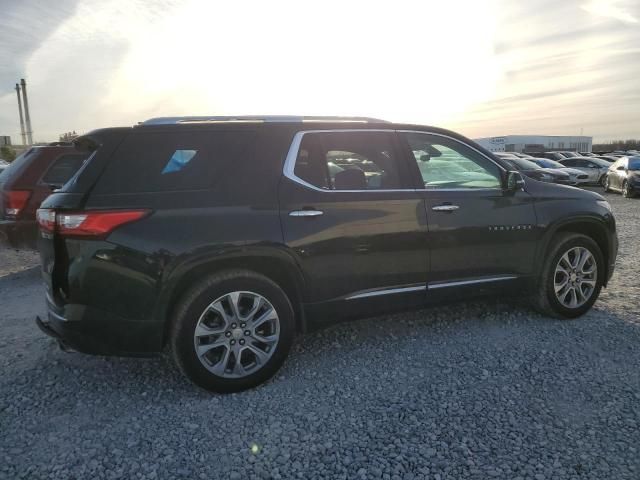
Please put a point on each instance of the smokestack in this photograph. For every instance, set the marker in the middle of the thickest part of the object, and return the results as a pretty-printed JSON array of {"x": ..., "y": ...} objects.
[
  {"x": 24, "y": 136},
  {"x": 27, "y": 117}
]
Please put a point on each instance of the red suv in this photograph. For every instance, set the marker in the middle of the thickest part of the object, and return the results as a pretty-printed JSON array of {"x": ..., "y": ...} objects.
[{"x": 26, "y": 182}]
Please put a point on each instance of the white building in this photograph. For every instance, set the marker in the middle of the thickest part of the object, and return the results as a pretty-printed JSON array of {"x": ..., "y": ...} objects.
[{"x": 536, "y": 143}]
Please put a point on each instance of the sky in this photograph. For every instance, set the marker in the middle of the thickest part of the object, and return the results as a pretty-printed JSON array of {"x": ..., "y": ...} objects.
[{"x": 480, "y": 67}]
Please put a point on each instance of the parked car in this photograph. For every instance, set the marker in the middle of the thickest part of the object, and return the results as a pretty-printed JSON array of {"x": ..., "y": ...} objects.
[
  {"x": 624, "y": 177},
  {"x": 594, "y": 167},
  {"x": 27, "y": 181},
  {"x": 532, "y": 170},
  {"x": 577, "y": 176},
  {"x": 222, "y": 239},
  {"x": 3, "y": 164},
  {"x": 522, "y": 155},
  {"x": 587, "y": 154}
]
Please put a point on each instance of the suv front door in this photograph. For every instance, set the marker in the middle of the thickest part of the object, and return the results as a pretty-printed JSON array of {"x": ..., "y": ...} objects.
[
  {"x": 353, "y": 219},
  {"x": 478, "y": 233}
]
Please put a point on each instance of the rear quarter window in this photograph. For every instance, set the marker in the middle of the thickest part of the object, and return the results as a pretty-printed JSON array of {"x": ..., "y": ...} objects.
[
  {"x": 63, "y": 168},
  {"x": 173, "y": 161}
]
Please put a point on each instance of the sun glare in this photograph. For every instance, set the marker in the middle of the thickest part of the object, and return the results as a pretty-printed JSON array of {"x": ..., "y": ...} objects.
[{"x": 410, "y": 61}]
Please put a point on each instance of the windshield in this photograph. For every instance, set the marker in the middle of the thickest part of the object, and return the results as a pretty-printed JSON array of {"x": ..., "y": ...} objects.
[
  {"x": 599, "y": 162},
  {"x": 546, "y": 163}
]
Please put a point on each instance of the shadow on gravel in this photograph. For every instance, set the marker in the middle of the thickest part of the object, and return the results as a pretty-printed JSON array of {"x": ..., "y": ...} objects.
[{"x": 361, "y": 348}]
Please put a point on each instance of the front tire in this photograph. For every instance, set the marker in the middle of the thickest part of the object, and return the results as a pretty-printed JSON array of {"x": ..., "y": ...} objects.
[
  {"x": 606, "y": 185},
  {"x": 572, "y": 276},
  {"x": 602, "y": 180},
  {"x": 626, "y": 191},
  {"x": 232, "y": 331}
]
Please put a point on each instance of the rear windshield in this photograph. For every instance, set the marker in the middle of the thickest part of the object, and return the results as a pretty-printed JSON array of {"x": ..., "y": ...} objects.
[
  {"x": 17, "y": 164},
  {"x": 161, "y": 162}
]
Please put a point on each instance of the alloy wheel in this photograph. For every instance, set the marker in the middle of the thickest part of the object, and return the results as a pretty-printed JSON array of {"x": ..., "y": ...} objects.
[
  {"x": 575, "y": 277},
  {"x": 237, "y": 334}
]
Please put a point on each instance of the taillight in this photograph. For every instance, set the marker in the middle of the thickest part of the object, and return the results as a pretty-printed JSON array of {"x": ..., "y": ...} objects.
[
  {"x": 87, "y": 224},
  {"x": 46, "y": 219},
  {"x": 95, "y": 223},
  {"x": 15, "y": 201}
]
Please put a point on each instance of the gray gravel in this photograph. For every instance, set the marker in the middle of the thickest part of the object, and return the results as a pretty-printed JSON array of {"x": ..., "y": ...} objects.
[{"x": 479, "y": 390}]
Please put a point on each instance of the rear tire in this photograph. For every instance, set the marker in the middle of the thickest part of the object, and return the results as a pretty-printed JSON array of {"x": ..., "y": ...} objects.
[
  {"x": 565, "y": 291},
  {"x": 220, "y": 339}
]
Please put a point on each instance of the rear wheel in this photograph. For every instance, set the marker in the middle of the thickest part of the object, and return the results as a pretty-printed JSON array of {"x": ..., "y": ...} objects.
[
  {"x": 232, "y": 331},
  {"x": 572, "y": 276}
]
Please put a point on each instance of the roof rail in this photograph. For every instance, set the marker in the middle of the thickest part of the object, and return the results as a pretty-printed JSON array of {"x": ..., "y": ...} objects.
[{"x": 258, "y": 119}]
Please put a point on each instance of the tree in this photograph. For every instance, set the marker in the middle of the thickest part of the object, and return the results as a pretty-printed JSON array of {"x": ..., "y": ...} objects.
[{"x": 7, "y": 153}]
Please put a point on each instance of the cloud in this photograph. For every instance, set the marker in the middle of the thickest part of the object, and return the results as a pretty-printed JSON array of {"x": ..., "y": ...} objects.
[
  {"x": 24, "y": 26},
  {"x": 501, "y": 67},
  {"x": 609, "y": 9}
]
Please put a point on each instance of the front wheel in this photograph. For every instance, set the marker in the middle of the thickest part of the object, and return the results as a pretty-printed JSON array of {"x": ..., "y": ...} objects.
[
  {"x": 572, "y": 276},
  {"x": 602, "y": 180},
  {"x": 626, "y": 191},
  {"x": 606, "y": 186},
  {"x": 232, "y": 331}
]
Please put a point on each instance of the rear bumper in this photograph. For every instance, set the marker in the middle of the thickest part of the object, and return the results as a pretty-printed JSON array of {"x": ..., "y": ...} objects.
[
  {"x": 18, "y": 233},
  {"x": 97, "y": 332}
]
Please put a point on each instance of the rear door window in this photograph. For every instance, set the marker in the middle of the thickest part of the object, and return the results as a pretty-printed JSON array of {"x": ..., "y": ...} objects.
[
  {"x": 349, "y": 161},
  {"x": 175, "y": 161},
  {"x": 62, "y": 169}
]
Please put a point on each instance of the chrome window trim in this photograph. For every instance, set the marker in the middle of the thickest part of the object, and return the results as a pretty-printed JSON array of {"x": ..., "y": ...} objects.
[
  {"x": 292, "y": 155},
  {"x": 435, "y": 286},
  {"x": 386, "y": 291}
]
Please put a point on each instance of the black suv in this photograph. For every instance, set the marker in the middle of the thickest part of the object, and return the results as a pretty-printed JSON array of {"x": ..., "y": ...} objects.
[{"x": 220, "y": 238}]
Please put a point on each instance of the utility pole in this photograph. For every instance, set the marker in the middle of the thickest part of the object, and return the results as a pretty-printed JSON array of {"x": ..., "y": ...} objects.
[
  {"x": 22, "y": 133},
  {"x": 27, "y": 117}
]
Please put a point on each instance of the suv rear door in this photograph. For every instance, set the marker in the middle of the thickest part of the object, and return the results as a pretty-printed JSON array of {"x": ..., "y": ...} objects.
[
  {"x": 353, "y": 218},
  {"x": 477, "y": 233}
]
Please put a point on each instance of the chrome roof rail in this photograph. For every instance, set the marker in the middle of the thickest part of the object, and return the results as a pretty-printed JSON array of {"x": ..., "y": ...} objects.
[{"x": 258, "y": 119}]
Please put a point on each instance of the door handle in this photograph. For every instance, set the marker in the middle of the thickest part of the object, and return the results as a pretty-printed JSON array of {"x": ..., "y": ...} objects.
[
  {"x": 306, "y": 213},
  {"x": 445, "y": 208}
]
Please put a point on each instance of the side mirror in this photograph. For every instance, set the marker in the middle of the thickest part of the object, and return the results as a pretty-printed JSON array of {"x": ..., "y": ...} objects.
[
  {"x": 515, "y": 182},
  {"x": 425, "y": 158}
]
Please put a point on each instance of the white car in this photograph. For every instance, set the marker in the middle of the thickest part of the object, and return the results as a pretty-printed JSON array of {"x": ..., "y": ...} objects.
[{"x": 595, "y": 168}]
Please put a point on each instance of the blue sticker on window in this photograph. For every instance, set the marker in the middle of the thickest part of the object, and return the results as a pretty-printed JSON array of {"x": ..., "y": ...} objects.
[{"x": 179, "y": 160}]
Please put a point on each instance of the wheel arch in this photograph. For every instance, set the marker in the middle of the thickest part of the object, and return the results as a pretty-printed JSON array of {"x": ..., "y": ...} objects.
[
  {"x": 591, "y": 227},
  {"x": 274, "y": 263}
]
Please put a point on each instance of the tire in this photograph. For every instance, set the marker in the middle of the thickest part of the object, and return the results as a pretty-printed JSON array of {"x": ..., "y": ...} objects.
[
  {"x": 606, "y": 184},
  {"x": 208, "y": 307},
  {"x": 626, "y": 191},
  {"x": 602, "y": 180},
  {"x": 545, "y": 300}
]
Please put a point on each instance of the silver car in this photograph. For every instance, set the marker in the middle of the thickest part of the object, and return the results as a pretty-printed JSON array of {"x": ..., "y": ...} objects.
[
  {"x": 578, "y": 177},
  {"x": 595, "y": 168}
]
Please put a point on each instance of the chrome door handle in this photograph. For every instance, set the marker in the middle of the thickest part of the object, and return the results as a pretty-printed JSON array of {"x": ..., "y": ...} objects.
[
  {"x": 306, "y": 213},
  {"x": 445, "y": 208}
]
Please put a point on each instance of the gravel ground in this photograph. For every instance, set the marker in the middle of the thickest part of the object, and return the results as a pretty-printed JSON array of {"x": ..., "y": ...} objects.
[{"x": 477, "y": 390}]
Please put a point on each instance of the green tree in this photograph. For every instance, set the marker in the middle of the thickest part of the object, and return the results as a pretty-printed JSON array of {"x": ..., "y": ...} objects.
[{"x": 7, "y": 153}]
